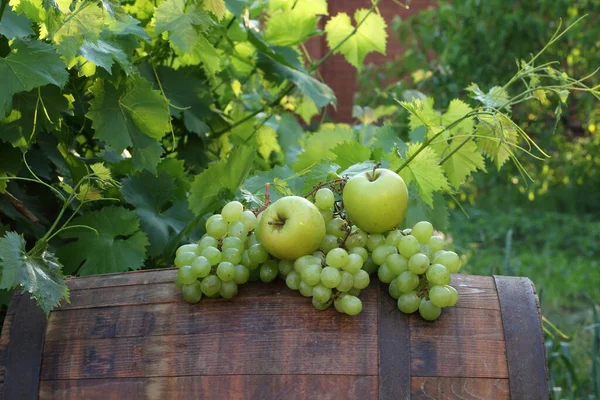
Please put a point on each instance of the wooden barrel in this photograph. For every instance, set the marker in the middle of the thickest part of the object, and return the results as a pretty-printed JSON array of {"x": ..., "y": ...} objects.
[{"x": 131, "y": 336}]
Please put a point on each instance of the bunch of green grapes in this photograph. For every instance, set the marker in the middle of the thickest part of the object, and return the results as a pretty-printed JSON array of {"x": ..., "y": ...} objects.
[
  {"x": 224, "y": 258},
  {"x": 417, "y": 268}
]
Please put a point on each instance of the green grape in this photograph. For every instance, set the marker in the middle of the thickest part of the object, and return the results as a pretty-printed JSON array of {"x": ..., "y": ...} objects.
[
  {"x": 329, "y": 243},
  {"x": 187, "y": 248},
  {"x": 393, "y": 289},
  {"x": 346, "y": 282},
  {"x": 178, "y": 282},
  {"x": 242, "y": 274},
  {"x": 384, "y": 274},
  {"x": 285, "y": 267},
  {"x": 407, "y": 281},
  {"x": 233, "y": 243},
  {"x": 436, "y": 244},
  {"x": 247, "y": 262},
  {"x": 422, "y": 231},
  {"x": 217, "y": 228},
  {"x": 381, "y": 253},
  {"x": 354, "y": 292},
  {"x": 374, "y": 241},
  {"x": 213, "y": 255},
  {"x": 361, "y": 279},
  {"x": 232, "y": 211},
  {"x": 293, "y": 280},
  {"x": 330, "y": 277},
  {"x": 369, "y": 266},
  {"x": 440, "y": 296},
  {"x": 393, "y": 238},
  {"x": 448, "y": 259},
  {"x": 233, "y": 256},
  {"x": 327, "y": 215},
  {"x": 396, "y": 264},
  {"x": 418, "y": 263},
  {"x": 428, "y": 311},
  {"x": 423, "y": 248},
  {"x": 321, "y": 293},
  {"x": 437, "y": 274},
  {"x": 226, "y": 271},
  {"x": 337, "y": 303},
  {"x": 192, "y": 293},
  {"x": 185, "y": 258},
  {"x": 337, "y": 258},
  {"x": 258, "y": 254},
  {"x": 407, "y": 231},
  {"x": 324, "y": 199},
  {"x": 251, "y": 240},
  {"x": 212, "y": 218},
  {"x": 201, "y": 267},
  {"x": 237, "y": 229},
  {"x": 304, "y": 262},
  {"x": 228, "y": 289},
  {"x": 305, "y": 290},
  {"x": 311, "y": 274},
  {"x": 254, "y": 274},
  {"x": 214, "y": 296},
  {"x": 454, "y": 295},
  {"x": 320, "y": 306},
  {"x": 358, "y": 238},
  {"x": 437, "y": 253},
  {"x": 269, "y": 271},
  {"x": 186, "y": 275},
  {"x": 351, "y": 305},
  {"x": 206, "y": 241},
  {"x": 409, "y": 302},
  {"x": 320, "y": 257},
  {"x": 354, "y": 264},
  {"x": 211, "y": 285},
  {"x": 408, "y": 246},
  {"x": 336, "y": 227},
  {"x": 249, "y": 220},
  {"x": 361, "y": 251}
]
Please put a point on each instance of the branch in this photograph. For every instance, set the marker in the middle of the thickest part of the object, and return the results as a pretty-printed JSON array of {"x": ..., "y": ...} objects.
[{"x": 18, "y": 205}]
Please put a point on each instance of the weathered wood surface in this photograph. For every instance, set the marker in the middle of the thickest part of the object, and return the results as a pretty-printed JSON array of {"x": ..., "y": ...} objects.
[{"x": 132, "y": 336}]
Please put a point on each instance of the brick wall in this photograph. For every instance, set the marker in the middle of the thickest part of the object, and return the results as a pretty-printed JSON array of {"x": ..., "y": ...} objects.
[{"x": 336, "y": 71}]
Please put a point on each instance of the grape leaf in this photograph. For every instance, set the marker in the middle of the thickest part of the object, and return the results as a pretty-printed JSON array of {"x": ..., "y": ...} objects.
[
  {"x": 217, "y": 7},
  {"x": 495, "y": 136},
  {"x": 29, "y": 65},
  {"x": 418, "y": 210},
  {"x": 161, "y": 218},
  {"x": 86, "y": 22},
  {"x": 253, "y": 188},
  {"x": 103, "y": 53},
  {"x": 358, "y": 168},
  {"x": 310, "y": 7},
  {"x": 456, "y": 110},
  {"x": 370, "y": 36},
  {"x": 202, "y": 52},
  {"x": 237, "y": 7},
  {"x": 38, "y": 272},
  {"x": 425, "y": 172},
  {"x": 422, "y": 113},
  {"x": 464, "y": 161},
  {"x": 220, "y": 180},
  {"x": 495, "y": 98},
  {"x": 350, "y": 153},
  {"x": 12, "y": 160},
  {"x": 33, "y": 9},
  {"x": 323, "y": 171},
  {"x": 14, "y": 25},
  {"x": 180, "y": 20},
  {"x": 278, "y": 30},
  {"x": 289, "y": 133},
  {"x": 317, "y": 146},
  {"x": 318, "y": 92},
  {"x": 267, "y": 142},
  {"x": 118, "y": 245},
  {"x": 130, "y": 115},
  {"x": 386, "y": 137}
]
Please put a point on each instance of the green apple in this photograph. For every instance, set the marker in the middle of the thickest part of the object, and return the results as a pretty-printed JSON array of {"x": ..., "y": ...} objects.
[
  {"x": 291, "y": 227},
  {"x": 376, "y": 201}
]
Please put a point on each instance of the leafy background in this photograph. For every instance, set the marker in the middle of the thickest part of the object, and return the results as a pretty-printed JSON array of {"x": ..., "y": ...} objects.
[{"x": 124, "y": 125}]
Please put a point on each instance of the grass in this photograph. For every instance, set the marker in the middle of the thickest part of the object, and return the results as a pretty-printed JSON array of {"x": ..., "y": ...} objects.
[{"x": 560, "y": 254}]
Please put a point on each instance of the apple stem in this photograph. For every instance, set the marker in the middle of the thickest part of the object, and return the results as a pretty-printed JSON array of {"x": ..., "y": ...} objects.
[{"x": 373, "y": 175}]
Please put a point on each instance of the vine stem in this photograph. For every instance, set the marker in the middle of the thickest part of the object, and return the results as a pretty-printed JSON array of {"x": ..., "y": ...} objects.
[
  {"x": 443, "y": 160},
  {"x": 267, "y": 199},
  {"x": 18, "y": 205}
]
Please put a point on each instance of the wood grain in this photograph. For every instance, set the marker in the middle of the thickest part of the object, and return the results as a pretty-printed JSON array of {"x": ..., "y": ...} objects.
[
  {"x": 245, "y": 387},
  {"x": 4, "y": 340},
  {"x": 142, "y": 277},
  {"x": 457, "y": 356},
  {"x": 474, "y": 324},
  {"x": 427, "y": 388}
]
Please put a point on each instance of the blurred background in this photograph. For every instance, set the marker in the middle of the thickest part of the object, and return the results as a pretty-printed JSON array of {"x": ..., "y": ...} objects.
[{"x": 546, "y": 228}]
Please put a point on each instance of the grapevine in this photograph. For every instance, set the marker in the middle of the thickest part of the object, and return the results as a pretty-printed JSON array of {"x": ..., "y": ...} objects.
[{"x": 335, "y": 268}]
